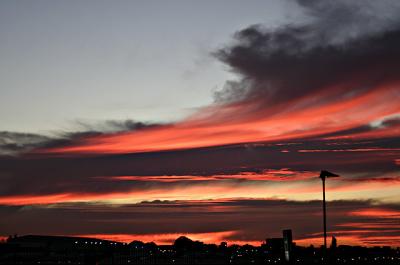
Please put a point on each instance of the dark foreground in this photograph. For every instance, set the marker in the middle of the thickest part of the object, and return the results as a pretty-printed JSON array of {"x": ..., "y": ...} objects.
[{"x": 74, "y": 250}]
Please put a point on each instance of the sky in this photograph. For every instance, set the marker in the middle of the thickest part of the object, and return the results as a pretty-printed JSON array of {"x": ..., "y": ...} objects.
[
  {"x": 147, "y": 120},
  {"x": 89, "y": 61}
]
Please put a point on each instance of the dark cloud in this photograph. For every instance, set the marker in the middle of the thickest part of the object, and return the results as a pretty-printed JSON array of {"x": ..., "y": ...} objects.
[
  {"x": 15, "y": 143},
  {"x": 89, "y": 174},
  {"x": 252, "y": 220},
  {"x": 112, "y": 126},
  {"x": 337, "y": 22},
  {"x": 389, "y": 123},
  {"x": 345, "y": 48}
]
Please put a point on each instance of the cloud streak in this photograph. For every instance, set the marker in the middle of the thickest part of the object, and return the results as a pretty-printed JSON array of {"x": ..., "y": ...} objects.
[{"x": 235, "y": 221}]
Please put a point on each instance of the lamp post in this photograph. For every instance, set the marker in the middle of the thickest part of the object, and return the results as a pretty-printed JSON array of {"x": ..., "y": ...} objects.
[{"x": 325, "y": 174}]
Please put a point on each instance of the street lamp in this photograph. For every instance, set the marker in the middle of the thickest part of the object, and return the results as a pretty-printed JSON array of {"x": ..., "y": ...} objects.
[{"x": 325, "y": 174}]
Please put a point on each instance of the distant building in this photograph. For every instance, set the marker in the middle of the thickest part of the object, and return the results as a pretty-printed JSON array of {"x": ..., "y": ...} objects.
[
  {"x": 288, "y": 244},
  {"x": 36, "y": 249},
  {"x": 274, "y": 246},
  {"x": 39, "y": 241},
  {"x": 334, "y": 243}
]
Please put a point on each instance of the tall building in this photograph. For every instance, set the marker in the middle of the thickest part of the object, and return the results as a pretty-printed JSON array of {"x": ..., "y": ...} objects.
[
  {"x": 334, "y": 243},
  {"x": 288, "y": 244}
]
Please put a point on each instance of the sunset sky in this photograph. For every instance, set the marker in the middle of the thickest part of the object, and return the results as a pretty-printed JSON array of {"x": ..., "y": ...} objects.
[{"x": 147, "y": 120}]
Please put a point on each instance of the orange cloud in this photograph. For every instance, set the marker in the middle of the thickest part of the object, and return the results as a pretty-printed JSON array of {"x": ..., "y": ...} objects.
[
  {"x": 241, "y": 123},
  {"x": 348, "y": 150},
  {"x": 371, "y": 225},
  {"x": 169, "y": 238},
  {"x": 354, "y": 239},
  {"x": 283, "y": 184},
  {"x": 379, "y": 213},
  {"x": 283, "y": 174}
]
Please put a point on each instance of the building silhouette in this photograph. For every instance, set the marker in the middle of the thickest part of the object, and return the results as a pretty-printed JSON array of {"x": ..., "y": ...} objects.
[
  {"x": 288, "y": 244},
  {"x": 37, "y": 249}
]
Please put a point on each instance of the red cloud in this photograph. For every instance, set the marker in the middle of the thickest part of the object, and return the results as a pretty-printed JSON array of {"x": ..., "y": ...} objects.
[{"x": 241, "y": 123}]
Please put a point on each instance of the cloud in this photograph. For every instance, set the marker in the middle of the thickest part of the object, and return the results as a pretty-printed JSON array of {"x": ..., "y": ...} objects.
[
  {"x": 320, "y": 76},
  {"x": 341, "y": 21},
  {"x": 112, "y": 126},
  {"x": 229, "y": 220},
  {"x": 273, "y": 169},
  {"x": 15, "y": 143},
  {"x": 346, "y": 48}
]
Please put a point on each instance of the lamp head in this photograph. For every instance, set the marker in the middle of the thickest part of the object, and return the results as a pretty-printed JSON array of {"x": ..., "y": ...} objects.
[{"x": 326, "y": 174}]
